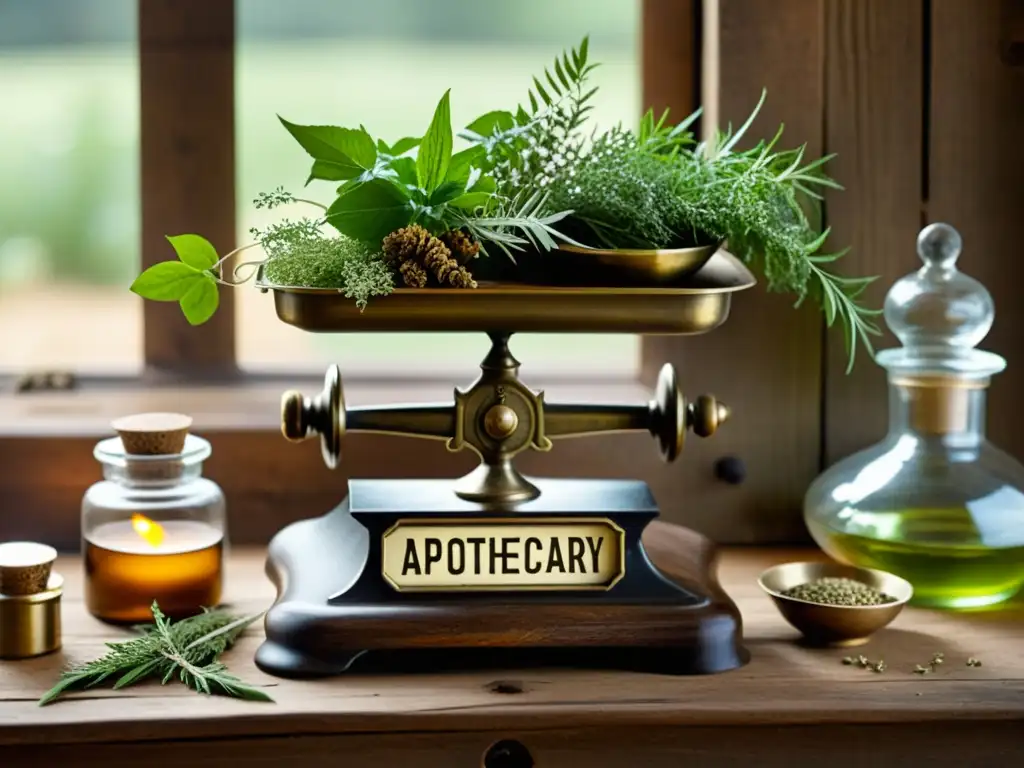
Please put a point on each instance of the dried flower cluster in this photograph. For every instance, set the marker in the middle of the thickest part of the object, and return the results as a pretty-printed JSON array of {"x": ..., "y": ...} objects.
[{"x": 298, "y": 253}]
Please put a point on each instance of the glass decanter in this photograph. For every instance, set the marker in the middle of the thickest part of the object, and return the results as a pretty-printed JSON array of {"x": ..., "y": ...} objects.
[{"x": 934, "y": 502}]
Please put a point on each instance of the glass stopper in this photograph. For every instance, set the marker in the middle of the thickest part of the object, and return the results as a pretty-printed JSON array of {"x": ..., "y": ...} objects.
[{"x": 938, "y": 307}]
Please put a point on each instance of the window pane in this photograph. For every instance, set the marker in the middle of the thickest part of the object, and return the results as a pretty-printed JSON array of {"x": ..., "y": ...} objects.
[
  {"x": 384, "y": 64},
  {"x": 69, "y": 204}
]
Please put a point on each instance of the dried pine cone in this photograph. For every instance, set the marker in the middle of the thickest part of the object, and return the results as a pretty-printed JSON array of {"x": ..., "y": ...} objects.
[
  {"x": 406, "y": 243},
  {"x": 413, "y": 274},
  {"x": 462, "y": 246},
  {"x": 437, "y": 259},
  {"x": 461, "y": 278},
  {"x": 418, "y": 255}
]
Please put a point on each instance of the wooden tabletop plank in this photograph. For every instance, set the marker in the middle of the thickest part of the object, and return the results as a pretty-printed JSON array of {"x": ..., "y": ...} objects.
[{"x": 784, "y": 684}]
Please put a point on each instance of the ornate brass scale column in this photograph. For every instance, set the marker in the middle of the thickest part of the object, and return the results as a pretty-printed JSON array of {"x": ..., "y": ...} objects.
[{"x": 496, "y": 561}]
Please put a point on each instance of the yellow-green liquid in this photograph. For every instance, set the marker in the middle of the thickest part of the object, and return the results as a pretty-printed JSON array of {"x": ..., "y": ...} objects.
[{"x": 938, "y": 551}]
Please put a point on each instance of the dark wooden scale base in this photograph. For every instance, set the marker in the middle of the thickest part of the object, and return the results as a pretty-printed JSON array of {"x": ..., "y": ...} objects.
[{"x": 336, "y": 613}]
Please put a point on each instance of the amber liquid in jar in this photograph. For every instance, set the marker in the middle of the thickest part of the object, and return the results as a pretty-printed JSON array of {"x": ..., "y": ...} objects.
[{"x": 125, "y": 572}]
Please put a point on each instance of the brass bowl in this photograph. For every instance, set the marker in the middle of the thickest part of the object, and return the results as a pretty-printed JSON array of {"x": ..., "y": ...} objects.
[
  {"x": 836, "y": 625},
  {"x": 697, "y": 304},
  {"x": 650, "y": 267}
]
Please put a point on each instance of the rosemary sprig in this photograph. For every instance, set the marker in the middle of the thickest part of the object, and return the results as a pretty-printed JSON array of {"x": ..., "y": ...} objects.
[
  {"x": 529, "y": 217},
  {"x": 188, "y": 649},
  {"x": 657, "y": 187}
]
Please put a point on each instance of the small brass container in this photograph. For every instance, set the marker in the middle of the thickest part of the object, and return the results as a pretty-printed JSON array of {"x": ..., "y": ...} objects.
[
  {"x": 835, "y": 625},
  {"x": 30, "y": 624},
  {"x": 653, "y": 267}
]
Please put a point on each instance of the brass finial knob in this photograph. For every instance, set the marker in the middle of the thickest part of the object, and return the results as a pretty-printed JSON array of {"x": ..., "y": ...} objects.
[
  {"x": 293, "y": 416},
  {"x": 500, "y": 421},
  {"x": 706, "y": 415},
  {"x": 670, "y": 415},
  {"x": 323, "y": 415}
]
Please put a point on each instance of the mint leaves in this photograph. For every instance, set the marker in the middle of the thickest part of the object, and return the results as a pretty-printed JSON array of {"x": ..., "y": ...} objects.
[
  {"x": 194, "y": 250},
  {"x": 386, "y": 188},
  {"x": 338, "y": 154},
  {"x": 436, "y": 148},
  {"x": 371, "y": 210},
  {"x": 187, "y": 281}
]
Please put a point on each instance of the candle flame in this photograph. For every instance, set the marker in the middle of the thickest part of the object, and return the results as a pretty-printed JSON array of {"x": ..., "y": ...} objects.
[{"x": 148, "y": 530}]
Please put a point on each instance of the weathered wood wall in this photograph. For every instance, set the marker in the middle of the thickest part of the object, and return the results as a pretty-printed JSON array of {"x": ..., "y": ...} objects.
[{"x": 923, "y": 103}]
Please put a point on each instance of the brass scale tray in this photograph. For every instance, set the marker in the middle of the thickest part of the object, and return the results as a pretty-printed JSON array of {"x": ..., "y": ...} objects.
[{"x": 497, "y": 568}]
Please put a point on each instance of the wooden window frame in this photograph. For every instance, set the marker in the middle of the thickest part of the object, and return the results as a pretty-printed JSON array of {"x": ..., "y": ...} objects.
[{"x": 186, "y": 50}]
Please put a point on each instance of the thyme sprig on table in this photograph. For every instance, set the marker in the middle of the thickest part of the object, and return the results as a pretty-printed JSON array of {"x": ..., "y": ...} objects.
[{"x": 188, "y": 650}]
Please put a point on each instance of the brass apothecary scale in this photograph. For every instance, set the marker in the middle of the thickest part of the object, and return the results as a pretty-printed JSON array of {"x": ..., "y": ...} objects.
[{"x": 497, "y": 563}]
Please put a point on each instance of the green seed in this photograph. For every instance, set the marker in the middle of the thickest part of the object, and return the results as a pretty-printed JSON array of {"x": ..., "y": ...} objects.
[
  {"x": 920, "y": 670},
  {"x": 848, "y": 660},
  {"x": 839, "y": 591}
]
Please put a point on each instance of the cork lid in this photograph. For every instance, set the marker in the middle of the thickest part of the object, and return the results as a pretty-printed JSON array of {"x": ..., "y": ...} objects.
[
  {"x": 153, "y": 434},
  {"x": 25, "y": 567}
]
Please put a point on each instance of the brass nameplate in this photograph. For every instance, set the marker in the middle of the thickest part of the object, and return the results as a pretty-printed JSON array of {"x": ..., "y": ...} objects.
[{"x": 460, "y": 555}]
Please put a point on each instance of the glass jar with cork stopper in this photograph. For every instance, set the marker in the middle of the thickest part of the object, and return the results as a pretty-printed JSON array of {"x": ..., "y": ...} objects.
[
  {"x": 934, "y": 502},
  {"x": 154, "y": 528}
]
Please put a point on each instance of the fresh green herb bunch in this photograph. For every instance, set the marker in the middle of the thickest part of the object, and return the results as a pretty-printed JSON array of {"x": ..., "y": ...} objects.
[
  {"x": 300, "y": 254},
  {"x": 188, "y": 650},
  {"x": 385, "y": 188},
  {"x": 625, "y": 197},
  {"x": 297, "y": 252},
  {"x": 839, "y": 591},
  {"x": 525, "y": 149},
  {"x": 660, "y": 188}
]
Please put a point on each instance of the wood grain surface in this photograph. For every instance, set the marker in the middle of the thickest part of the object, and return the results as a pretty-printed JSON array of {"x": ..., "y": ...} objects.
[
  {"x": 874, "y": 95},
  {"x": 765, "y": 362},
  {"x": 977, "y": 120},
  {"x": 789, "y": 699},
  {"x": 187, "y": 119},
  {"x": 670, "y": 47}
]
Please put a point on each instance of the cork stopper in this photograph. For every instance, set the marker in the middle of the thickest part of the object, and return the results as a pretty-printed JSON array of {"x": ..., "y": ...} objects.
[
  {"x": 153, "y": 434},
  {"x": 25, "y": 567}
]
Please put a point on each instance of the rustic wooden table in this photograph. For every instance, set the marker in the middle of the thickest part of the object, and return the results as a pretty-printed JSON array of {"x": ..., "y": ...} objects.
[{"x": 790, "y": 706}]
